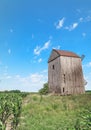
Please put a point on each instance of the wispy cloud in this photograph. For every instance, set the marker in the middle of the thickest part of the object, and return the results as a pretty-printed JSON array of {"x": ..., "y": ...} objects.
[
  {"x": 60, "y": 23},
  {"x": 35, "y": 79},
  {"x": 88, "y": 19},
  {"x": 9, "y": 51},
  {"x": 45, "y": 71},
  {"x": 81, "y": 19},
  {"x": 88, "y": 79},
  {"x": 72, "y": 27},
  {"x": 89, "y": 64},
  {"x": 57, "y": 47},
  {"x": 8, "y": 77},
  {"x": 85, "y": 19},
  {"x": 87, "y": 74},
  {"x": 30, "y": 83},
  {"x": 32, "y": 78},
  {"x": 39, "y": 49},
  {"x": 40, "y": 60}
]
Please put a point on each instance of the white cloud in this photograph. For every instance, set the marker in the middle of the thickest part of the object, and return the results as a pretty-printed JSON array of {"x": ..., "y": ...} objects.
[
  {"x": 88, "y": 79},
  {"x": 40, "y": 60},
  {"x": 81, "y": 19},
  {"x": 39, "y": 49},
  {"x": 87, "y": 74},
  {"x": 35, "y": 78},
  {"x": 32, "y": 82},
  {"x": 9, "y": 51},
  {"x": 88, "y": 86},
  {"x": 8, "y": 77},
  {"x": 57, "y": 47},
  {"x": 87, "y": 65},
  {"x": 17, "y": 76},
  {"x": 60, "y": 23},
  {"x": 44, "y": 71},
  {"x": 72, "y": 27},
  {"x": 5, "y": 74},
  {"x": 88, "y": 19},
  {"x": 85, "y": 19},
  {"x": 46, "y": 45},
  {"x": 29, "y": 83}
]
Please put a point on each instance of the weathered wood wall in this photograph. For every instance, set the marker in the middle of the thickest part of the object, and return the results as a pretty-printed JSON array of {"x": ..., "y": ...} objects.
[
  {"x": 53, "y": 56},
  {"x": 65, "y": 75},
  {"x": 71, "y": 75},
  {"x": 54, "y": 76}
]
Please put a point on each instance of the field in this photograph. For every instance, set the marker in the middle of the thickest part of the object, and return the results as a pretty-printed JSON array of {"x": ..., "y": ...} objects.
[
  {"x": 10, "y": 109},
  {"x": 56, "y": 112},
  {"x": 32, "y": 111}
]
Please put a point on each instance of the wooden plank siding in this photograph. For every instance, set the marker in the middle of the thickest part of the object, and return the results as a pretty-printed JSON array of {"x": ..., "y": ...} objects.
[
  {"x": 54, "y": 76},
  {"x": 65, "y": 74},
  {"x": 71, "y": 70}
]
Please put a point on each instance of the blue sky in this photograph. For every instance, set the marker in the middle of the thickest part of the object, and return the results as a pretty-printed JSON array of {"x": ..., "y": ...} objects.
[{"x": 30, "y": 29}]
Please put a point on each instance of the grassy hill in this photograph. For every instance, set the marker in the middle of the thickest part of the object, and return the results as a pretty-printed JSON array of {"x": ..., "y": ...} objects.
[{"x": 56, "y": 112}]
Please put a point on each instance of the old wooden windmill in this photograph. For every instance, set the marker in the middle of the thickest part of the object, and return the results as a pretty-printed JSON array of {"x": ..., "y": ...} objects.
[{"x": 65, "y": 74}]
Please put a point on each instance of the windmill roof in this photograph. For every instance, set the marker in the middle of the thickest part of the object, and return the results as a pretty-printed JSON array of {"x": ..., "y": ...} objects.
[{"x": 66, "y": 53}]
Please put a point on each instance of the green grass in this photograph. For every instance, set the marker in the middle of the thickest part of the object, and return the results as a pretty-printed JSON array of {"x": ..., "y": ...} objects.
[{"x": 53, "y": 112}]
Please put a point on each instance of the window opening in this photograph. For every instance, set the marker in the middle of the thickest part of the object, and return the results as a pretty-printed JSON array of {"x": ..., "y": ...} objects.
[
  {"x": 63, "y": 90},
  {"x": 64, "y": 78},
  {"x": 53, "y": 67}
]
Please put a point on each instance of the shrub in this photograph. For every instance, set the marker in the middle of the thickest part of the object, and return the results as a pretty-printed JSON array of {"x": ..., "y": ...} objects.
[
  {"x": 44, "y": 90},
  {"x": 86, "y": 119}
]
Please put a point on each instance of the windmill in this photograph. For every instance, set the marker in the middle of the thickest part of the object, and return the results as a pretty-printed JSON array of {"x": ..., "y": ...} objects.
[{"x": 82, "y": 57}]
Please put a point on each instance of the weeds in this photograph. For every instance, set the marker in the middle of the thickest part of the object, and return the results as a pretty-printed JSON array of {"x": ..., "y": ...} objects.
[{"x": 57, "y": 113}]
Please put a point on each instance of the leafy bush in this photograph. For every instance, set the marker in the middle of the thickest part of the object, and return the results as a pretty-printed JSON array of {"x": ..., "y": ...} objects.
[
  {"x": 86, "y": 119},
  {"x": 44, "y": 90}
]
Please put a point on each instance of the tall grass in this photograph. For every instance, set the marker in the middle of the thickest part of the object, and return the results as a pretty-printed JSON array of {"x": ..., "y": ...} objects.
[{"x": 55, "y": 112}]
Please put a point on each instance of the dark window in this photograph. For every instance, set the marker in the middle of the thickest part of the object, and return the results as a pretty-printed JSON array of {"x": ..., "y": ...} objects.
[
  {"x": 63, "y": 90},
  {"x": 53, "y": 67},
  {"x": 64, "y": 78}
]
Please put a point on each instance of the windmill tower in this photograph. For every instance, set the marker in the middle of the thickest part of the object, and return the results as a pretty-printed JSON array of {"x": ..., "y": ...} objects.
[{"x": 65, "y": 74}]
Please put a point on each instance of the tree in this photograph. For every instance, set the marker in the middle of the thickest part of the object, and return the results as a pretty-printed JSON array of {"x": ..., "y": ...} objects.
[{"x": 44, "y": 90}]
